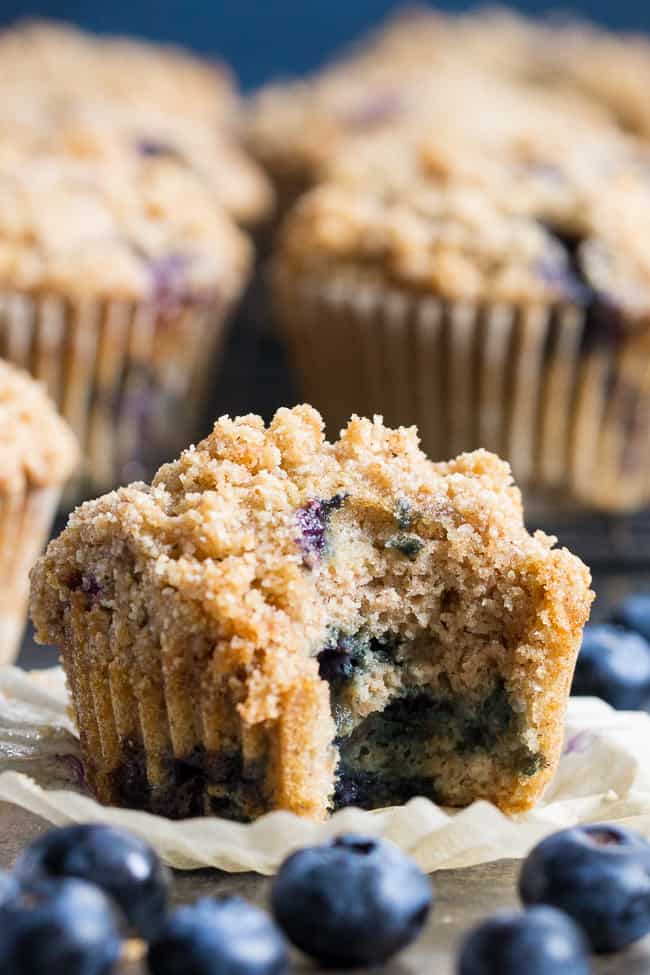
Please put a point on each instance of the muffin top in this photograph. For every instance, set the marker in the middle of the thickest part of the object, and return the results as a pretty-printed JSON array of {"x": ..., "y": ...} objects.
[
  {"x": 70, "y": 62},
  {"x": 37, "y": 448},
  {"x": 145, "y": 230},
  {"x": 38, "y": 121},
  {"x": 236, "y": 529},
  {"x": 520, "y": 195},
  {"x": 400, "y": 74}
]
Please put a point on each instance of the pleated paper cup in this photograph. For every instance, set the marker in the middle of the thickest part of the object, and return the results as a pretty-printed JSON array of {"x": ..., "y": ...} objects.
[
  {"x": 128, "y": 378},
  {"x": 25, "y": 520},
  {"x": 567, "y": 405}
]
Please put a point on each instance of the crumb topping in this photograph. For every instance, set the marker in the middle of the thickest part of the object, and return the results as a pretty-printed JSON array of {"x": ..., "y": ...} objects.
[
  {"x": 496, "y": 220},
  {"x": 68, "y": 61},
  {"x": 104, "y": 229},
  {"x": 37, "y": 448}
]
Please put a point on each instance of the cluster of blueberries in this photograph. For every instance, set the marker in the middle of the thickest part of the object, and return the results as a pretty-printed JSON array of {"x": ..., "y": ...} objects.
[
  {"x": 76, "y": 893},
  {"x": 614, "y": 660}
]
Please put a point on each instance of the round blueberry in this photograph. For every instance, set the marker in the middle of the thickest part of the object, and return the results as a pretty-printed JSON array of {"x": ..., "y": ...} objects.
[
  {"x": 614, "y": 664},
  {"x": 540, "y": 941},
  {"x": 60, "y": 927},
  {"x": 225, "y": 936},
  {"x": 124, "y": 866},
  {"x": 353, "y": 901},
  {"x": 634, "y": 613},
  {"x": 600, "y": 875}
]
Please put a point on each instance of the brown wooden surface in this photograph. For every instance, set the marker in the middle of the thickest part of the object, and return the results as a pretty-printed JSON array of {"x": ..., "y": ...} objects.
[{"x": 463, "y": 897}]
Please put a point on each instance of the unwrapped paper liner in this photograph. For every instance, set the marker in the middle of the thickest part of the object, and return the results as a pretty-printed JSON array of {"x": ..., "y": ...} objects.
[{"x": 604, "y": 775}]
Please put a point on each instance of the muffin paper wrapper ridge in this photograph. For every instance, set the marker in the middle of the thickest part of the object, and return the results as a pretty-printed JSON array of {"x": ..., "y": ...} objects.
[
  {"x": 25, "y": 520},
  {"x": 571, "y": 414},
  {"x": 119, "y": 372},
  {"x": 604, "y": 775}
]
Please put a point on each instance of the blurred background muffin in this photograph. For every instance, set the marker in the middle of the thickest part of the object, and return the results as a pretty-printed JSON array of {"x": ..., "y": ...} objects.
[
  {"x": 37, "y": 453},
  {"x": 120, "y": 183},
  {"x": 115, "y": 280},
  {"x": 487, "y": 277}
]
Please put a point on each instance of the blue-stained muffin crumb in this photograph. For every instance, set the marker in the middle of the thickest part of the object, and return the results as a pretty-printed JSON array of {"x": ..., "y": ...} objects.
[
  {"x": 312, "y": 521},
  {"x": 408, "y": 545}
]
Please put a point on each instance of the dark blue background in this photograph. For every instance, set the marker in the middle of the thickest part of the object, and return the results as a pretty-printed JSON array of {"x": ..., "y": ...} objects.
[{"x": 264, "y": 38}]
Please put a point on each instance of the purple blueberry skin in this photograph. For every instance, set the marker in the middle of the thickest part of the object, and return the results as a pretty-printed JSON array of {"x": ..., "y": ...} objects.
[
  {"x": 353, "y": 901},
  {"x": 614, "y": 664},
  {"x": 59, "y": 927},
  {"x": 600, "y": 876},
  {"x": 540, "y": 941},
  {"x": 634, "y": 613},
  {"x": 125, "y": 867},
  {"x": 218, "y": 936}
]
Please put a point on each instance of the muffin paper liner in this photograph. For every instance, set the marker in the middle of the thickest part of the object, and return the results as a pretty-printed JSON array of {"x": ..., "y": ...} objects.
[
  {"x": 569, "y": 410},
  {"x": 128, "y": 378},
  {"x": 604, "y": 775},
  {"x": 25, "y": 521}
]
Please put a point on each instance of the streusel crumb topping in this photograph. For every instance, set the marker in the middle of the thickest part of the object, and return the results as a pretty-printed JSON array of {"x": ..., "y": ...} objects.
[
  {"x": 37, "y": 448},
  {"x": 136, "y": 230},
  {"x": 69, "y": 61}
]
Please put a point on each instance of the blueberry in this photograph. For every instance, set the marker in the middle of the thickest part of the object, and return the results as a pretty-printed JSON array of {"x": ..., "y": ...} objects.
[
  {"x": 353, "y": 901},
  {"x": 634, "y": 613},
  {"x": 335, "y": 664},
  {"x": 600, "y": 875},
  {"x": 59, "y": 927},
  {"x": 223, "y": 936},
  {"x": 614, "y": 664},
  {"x": 540, "y": 941},
  {"x": 125, "y": 867}
]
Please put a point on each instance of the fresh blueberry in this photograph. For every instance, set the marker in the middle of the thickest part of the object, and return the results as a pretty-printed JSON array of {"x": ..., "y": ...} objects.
[
  {"x": 124, "y": 866},
  {"x": 59, "y": 927},
  {"x": 600, "y": 875},
  {"x": 354, "y": 901},
  {"x": 634, "y": 613},
  {"x": 224, "y": 936},
  {"x": 540, "y": 941},
  {"x": 614, "y": 664}
]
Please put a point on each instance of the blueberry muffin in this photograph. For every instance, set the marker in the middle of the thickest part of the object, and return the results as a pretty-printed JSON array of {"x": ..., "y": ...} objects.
[
  {"x": 487, "y": 279},
  {"x": 38, "y": 452},
  {"x": 279, "y": 622},
  {"x": 115, "y": 280}
]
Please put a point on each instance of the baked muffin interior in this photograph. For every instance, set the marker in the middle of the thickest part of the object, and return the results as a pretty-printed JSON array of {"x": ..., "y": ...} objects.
[{"x": 418, "y": 659}]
